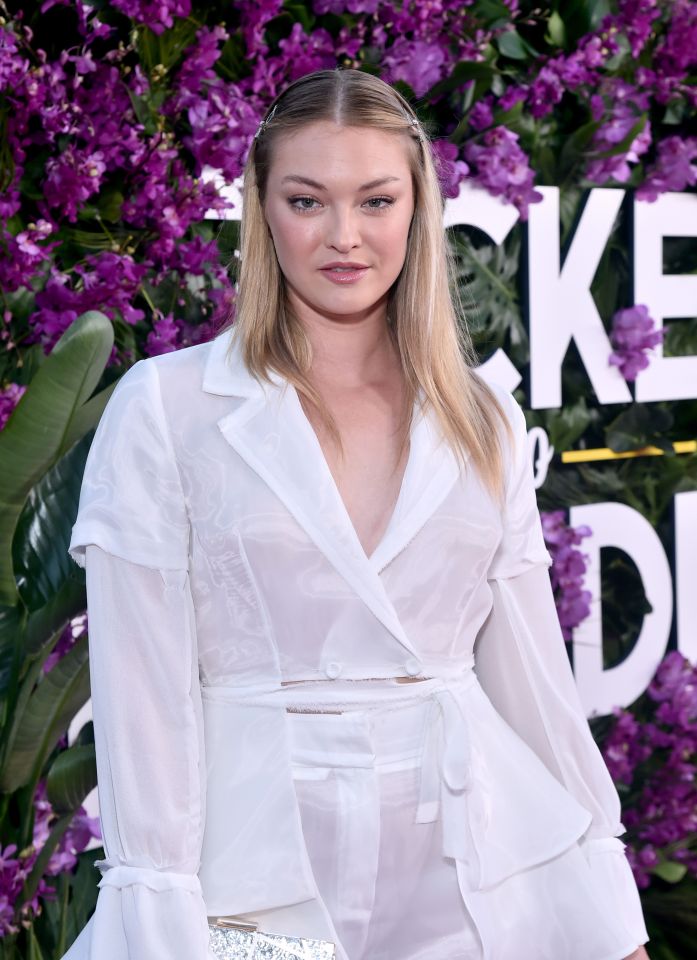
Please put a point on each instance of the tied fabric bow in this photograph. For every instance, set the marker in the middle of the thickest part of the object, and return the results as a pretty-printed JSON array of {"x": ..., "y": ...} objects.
[{"x": 447, "y": 781}]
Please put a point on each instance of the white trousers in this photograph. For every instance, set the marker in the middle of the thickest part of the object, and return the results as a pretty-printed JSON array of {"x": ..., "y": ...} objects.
[{"x": 386, "y": 885}]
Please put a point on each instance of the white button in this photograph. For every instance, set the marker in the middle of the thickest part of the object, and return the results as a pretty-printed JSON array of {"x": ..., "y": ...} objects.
[
  {"x": 413, "y": 666},
  {"x": 333, "y": 669}
]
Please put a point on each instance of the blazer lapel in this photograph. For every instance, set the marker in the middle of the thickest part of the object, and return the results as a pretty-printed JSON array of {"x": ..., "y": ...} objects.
[
  {"x": 432, "y": 470},
  {"x": 272, "y": 434}
]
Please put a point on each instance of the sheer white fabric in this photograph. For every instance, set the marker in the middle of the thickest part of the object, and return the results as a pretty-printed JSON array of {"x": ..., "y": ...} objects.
[
  {"x": 131, "y": 500},
  {"x": 455, "y": 817},
  {"x": 382, "y": 876},
  {"x": 523, "y": 667},
  {"x": 146, "y": 708}
]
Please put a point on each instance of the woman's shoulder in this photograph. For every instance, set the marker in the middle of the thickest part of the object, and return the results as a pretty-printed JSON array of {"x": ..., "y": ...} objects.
[
  {"x": 509, "y": 406},
  {"x": 156, "y": 394},
  {"x": 183, "y": 366},
  {"x": 171, "y": 379}
]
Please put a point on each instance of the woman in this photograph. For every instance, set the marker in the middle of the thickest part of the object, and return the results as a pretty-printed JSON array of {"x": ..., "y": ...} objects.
[{"x": 300, "y": 540}]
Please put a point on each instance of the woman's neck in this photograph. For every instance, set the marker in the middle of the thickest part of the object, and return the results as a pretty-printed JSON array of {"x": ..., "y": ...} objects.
[{"x": 350, "y": 354}]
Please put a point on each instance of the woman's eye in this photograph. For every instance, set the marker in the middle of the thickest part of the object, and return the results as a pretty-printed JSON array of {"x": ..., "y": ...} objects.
[
  {"x": 302, "y": 203},
  {"x": 388, "y": 201},
  {"x": 306, "y": 204}
]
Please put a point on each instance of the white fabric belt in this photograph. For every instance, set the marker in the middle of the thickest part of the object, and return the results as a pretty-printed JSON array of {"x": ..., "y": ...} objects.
[
  {"x": 445, "y": 762},
  {"x": 447, "y": 774},
  {"x": 444, "y": 759}
]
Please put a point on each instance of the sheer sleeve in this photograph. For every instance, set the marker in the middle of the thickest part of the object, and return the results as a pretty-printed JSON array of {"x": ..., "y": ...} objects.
[
  {"x": 132, "y": 537},
  {"x": 148, "y": 737},
  {"x": 523, "y": 667}
]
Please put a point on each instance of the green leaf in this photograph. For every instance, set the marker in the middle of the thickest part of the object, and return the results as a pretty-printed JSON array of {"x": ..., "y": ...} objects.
[
  {"x": 567, "y": 424},
  {"x": 143, "y": 114},
  {"x": 66, "y": 916},
  {"x": 86, "y": 417},
  {"x": 58, "y": 829},
  {"x": 570, "y": 202},
  {"x": 512, "y": 45},
  {"x": 167, "y": 47},
  {"x": 491, "y": 10},
  {"x": 680, "y": 339},
  {"x": 486, "y": 275},
  {"x": 233, "y": 61},
  {"x": 30, "y": 671},
  {"x": 34, "y": 952},
  {"x": 671, "y": 917},
  {"x": 46, "y": 422},
  {"x": 639, "y": 426},
  {"x": 461, "y": 74},
  {"x": 556, "y": 31},
  {"x": 109, "y": 204},
  {"x": 44, "y": 571},
  {"x": 661, "y": 951},
  {"x": 73, "y": 775},
  {"x": 401, "y": 86},
  {"x": 573, "y": 150},
  {"x": 675, "y": 113},
  {"x": 510, "y": 118},
  {"x": 670, "y": 871},
  {"x": 582, "y": 16},
  {"x": 12, "y": 621},
  {"x": 88, "y": 239},
  {"x": 21, "y": 304},
  {"x": 300, "y": 13},
  {"x": 544, "y": 161},
  {"x": 66, "y": 603},
  {"x": 48, "y": 712}
]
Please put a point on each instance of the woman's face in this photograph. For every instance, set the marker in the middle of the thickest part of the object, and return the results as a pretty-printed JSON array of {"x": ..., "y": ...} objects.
[{"x": 339, "y": 195}]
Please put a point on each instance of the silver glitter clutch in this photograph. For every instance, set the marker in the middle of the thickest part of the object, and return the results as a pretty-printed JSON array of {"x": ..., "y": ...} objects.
[{"x": 233, "y": 939}]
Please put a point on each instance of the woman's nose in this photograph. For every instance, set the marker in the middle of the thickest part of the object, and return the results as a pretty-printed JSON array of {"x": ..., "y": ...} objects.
[{"x": 342, "y": 231}]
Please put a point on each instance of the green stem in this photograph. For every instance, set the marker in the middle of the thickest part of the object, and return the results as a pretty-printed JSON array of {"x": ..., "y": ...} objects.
[
  {"x": 107, "y": 232},
  {"x": 63, "y": 930},
  {"x": 148, "y": 300}
]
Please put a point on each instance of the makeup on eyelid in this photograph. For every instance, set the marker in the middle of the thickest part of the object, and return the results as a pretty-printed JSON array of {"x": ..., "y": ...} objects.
[{"x": 292, "y": 201}]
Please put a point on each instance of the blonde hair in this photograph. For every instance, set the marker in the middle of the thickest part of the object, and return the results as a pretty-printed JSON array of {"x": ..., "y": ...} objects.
[{"x": 423, "y": 307}]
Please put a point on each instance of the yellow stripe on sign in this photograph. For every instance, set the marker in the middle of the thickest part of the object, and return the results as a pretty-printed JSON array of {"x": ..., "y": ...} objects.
[{"x": 605, "y": 453}]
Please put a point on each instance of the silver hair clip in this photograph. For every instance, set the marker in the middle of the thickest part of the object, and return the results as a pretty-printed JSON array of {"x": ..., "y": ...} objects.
[
  {"x": 415, "y": 124},
  {"x": 262, "y": 125}
]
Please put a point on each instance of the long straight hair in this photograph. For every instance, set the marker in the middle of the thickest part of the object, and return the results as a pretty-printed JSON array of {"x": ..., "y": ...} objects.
[{"x": 425, "y": 316}]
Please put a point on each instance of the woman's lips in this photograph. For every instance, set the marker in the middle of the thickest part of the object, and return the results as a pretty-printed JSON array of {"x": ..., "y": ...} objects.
[{"x": 350, "y": 275}]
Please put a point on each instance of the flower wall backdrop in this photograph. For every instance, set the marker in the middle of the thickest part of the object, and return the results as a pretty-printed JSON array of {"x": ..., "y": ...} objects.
[{"x": 111, "y": 112}]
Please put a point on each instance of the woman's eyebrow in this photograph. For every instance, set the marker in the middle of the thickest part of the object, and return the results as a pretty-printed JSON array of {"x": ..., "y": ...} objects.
[{"x": 295, "y": 178}]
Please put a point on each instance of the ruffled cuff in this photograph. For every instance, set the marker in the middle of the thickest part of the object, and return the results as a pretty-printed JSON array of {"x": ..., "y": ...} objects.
[
  {"x": 614, "y": 881},
  {"x": 145, "y": 914}
]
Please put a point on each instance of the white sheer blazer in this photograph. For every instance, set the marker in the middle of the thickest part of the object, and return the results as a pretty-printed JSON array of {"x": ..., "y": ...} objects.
[{"x": 220, "y": 560}]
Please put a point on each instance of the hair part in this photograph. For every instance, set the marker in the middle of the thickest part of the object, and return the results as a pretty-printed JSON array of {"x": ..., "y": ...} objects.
[{"x": 425, "y": 315}]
